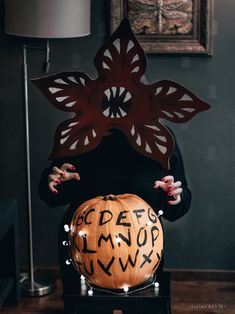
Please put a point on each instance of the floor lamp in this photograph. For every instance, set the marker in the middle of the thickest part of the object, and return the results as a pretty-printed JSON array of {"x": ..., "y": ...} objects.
[{"x": 45, "y": 19}]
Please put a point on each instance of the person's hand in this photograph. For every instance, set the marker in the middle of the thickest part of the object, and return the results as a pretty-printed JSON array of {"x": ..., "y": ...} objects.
[
  {"x": 60, "y": 175},
  {"x": 172, "y": 188}
]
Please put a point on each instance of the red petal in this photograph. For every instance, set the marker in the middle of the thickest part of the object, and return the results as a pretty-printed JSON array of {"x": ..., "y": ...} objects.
[
  {"x": 121, "y": 56},
  {"x": 175, "y": 103},
  {"x": 152, "y": 140},
  {"x": 67, "y": 91},
  {"x": 76, "y": 136}
]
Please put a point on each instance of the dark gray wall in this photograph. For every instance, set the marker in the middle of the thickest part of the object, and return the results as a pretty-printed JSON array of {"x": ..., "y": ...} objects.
[{"x": 204, "y": 238}]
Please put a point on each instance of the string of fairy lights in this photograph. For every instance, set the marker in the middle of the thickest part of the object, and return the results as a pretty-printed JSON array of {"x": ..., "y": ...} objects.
[{"x": 86, "y": 286}]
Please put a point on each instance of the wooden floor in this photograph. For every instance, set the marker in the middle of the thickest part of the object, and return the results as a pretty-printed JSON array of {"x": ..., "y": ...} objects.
[
  {"x": 192, "y": 292},
  {"x": 203, "y": 292}
]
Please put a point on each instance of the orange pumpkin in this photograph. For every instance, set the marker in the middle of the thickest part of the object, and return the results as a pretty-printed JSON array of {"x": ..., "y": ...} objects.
[{"x": 116, "y": 241}]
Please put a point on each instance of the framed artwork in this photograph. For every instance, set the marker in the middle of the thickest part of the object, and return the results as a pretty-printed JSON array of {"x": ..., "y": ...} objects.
[{"x": 167, "y": 26}]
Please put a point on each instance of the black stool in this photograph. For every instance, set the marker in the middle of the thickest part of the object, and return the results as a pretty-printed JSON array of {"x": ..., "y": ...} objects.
[{"x": 148, "y": 301}]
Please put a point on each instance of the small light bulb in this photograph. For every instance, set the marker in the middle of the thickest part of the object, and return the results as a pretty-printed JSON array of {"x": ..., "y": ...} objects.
[
  {"x": 90, "y": 292},
  {"x": 65, "y": 243},
  {"x": 118, "y": 239},
  {"x": 82, "y": 278},
  {"x": 160, "y": 213},
  {"x": 149, "y": 223},
  {"x": 81, "y": 233},
  {"x": 66, "y": 228},
  {"x": 125, "y": 289},
  {"x": 68, "y": 262},
  {"x": 156, "y": 284}
]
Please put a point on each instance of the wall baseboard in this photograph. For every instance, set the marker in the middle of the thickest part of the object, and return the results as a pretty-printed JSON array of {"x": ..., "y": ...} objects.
[
  {"x": 177, "y": 274},
  {"x": 202, "y": 274}
]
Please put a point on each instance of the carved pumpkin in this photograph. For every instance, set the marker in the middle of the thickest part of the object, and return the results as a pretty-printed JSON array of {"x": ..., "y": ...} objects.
[{"x": 116, "y": 241}]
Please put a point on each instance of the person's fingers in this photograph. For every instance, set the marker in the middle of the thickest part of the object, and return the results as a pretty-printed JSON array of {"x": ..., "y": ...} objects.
[
  {"x": 62, "y": 174},
  {"x": 160, "y": 184},
  {"x": 70, "y": 176},
  {"x": 54, "y": 178},
  {"x": 176, "y": 201},
  {"x": 168, "y": 179},
  {"x": 175, "y": 192},
  {"x": 157, "y": 184},
  {"x": 175, "y": 185},
  {"x": 67, "y": 166},
  {"x": 173, "y": 188},
  {"x": 57, "y": 171},
  {"x": 51, "y": 186},
  {"x": 76, "y": 176},
  {"x": 168, "y": 182}
]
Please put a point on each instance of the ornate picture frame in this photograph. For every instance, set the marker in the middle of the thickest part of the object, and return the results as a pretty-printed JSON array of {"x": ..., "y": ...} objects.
[{"x": 167, "y": 26}]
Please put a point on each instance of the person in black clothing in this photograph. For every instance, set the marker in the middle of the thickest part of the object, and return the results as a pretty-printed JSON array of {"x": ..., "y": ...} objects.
[{"x": 114, "y": 167}]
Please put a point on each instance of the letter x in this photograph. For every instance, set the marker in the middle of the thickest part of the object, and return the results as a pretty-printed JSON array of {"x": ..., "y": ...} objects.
[{"x": 147, "y": 259}]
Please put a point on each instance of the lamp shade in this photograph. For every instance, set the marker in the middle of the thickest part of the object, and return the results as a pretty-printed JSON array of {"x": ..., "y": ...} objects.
[{"x": 47, "y": 18}]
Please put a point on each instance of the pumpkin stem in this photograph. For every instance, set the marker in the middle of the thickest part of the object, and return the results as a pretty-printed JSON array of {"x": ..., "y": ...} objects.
[{"x": 109, "y": 197}]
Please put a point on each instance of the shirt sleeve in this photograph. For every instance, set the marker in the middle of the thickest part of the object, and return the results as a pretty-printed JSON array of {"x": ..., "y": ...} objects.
[
  {"x": 66, "y": 189},
  {"x": 174, "y": 212}
]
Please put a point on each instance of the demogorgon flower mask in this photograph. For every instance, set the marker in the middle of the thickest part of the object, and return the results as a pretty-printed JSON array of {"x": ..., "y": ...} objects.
[{"x": 118, "y": 99}]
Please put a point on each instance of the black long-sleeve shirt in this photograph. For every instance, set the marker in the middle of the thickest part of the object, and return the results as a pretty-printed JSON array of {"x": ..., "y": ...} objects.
[{"x": 114, "y": 167}]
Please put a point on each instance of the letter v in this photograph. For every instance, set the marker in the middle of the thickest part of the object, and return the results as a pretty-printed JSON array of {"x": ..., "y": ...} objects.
[{"x": 106, "y": 269}]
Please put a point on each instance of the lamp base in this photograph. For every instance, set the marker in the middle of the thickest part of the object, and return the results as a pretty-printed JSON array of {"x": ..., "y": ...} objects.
[{"x": 42, "y": 286}]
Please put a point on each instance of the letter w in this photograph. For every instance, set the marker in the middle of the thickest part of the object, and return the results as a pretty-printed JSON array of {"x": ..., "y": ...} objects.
[{"x": 129, "y": 260}]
